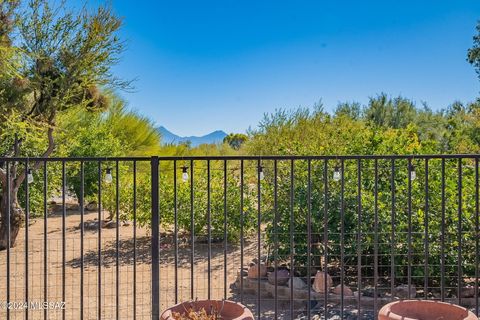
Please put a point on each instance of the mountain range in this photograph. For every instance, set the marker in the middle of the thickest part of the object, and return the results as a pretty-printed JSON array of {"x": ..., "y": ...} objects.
[{"x": 169, "y": 137}]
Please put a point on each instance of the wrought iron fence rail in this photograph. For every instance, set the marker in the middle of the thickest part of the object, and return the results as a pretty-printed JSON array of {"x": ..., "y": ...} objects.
[{"x": 376, "y": 227}]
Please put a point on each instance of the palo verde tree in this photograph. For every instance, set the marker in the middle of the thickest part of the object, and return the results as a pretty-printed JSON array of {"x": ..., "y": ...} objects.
[
  {"x": 473, "y": 55},
  {"x": 58, "y": 59},
  {"x": 116, "y": 131}
]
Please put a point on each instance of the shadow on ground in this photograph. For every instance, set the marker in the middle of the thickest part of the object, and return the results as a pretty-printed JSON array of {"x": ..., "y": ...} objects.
[{"x": 142, "y": 253}]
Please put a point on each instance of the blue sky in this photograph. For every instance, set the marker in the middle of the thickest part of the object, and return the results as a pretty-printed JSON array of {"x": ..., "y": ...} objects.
[{"x": 207, "y": 65}]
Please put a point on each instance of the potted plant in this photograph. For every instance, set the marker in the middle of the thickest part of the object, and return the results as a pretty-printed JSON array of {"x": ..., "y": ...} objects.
[
  {"x": 208, "y": 310},
  {"x": 424, "y": 310}
]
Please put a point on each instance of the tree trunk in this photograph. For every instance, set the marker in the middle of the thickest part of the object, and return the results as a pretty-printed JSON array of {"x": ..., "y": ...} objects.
[
  {"x": 17, "y": 214},
  {"x": 16, "y": 219}
]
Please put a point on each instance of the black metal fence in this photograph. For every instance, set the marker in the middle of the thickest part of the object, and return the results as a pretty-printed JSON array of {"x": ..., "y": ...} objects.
[{"x": 336, "y": 236}]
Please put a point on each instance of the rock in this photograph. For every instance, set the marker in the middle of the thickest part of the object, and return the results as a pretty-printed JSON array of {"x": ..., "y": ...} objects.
[
  {"x": 110, "y": 224},
  {"x": 89, "y": 225},
  {"x": 72, "y": 206},
  {"x": 257, "y": 271},
  {"x": 262, "y": 259},
  {"x": 346, "y": 290},
  {"x": 92, "y": 225},
  {"x": 69, "y": 206},
  {"x": 91, "y": 206},
  {"x": 370, "y": 292},
  {"x": 319, "y": 282},
  {"x": 467, "y": 292},
  {"x": 282, "y": 277},
  {"x": 354, "y": 312},
  {"x": 297, "y": 283},
  {"x": 402, "y": 291},
  {"x": 126, "y": 224},
  {"x": 242, "y": 272}
]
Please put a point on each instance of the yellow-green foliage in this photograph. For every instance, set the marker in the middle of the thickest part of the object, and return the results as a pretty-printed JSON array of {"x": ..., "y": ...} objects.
[
  {"x": 378, "y": 128},
  {"x": 384, "y": 126}
]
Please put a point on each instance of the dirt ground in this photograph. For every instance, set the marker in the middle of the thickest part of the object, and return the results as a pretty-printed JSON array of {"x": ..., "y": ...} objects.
[{"x": 130, "y": 290}]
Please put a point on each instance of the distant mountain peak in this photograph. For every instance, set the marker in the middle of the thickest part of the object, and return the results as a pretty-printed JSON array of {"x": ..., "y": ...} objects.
[{"x": 169, "y": 137}]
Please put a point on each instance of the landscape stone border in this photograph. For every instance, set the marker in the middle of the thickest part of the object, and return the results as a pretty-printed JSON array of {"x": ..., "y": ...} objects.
[{"x": 300, "y": 296}]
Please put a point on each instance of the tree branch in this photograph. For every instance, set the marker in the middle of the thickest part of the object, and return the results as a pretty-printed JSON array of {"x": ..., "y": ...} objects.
[
  {"x": 16, "y": 153},
  {"x": 38, "y": 164}
]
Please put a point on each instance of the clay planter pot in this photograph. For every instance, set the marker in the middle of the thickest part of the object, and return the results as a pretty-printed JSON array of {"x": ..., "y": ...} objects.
[
  {"x": 230, "y": 310},
  {"x": 424, "y": 310}
]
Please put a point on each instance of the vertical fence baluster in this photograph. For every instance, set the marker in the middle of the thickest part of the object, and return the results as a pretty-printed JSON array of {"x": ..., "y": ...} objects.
[
  {"x": 9, "y": 206},
  {"x": 155, "y": 239},
  {"x": 325, "y": 236},
  {"x": 82, "y": 235},
  {"x": 309, "y": 232},
  {"x": 45, "y": 243},
  {"x": 27, "y": 222},
  {"x": 259, "y": 238},
  {"x": 292, "y": 230},
  {"x": 159, "y": 233},
  {"x": 192, "y": 234},
  {"x": 459, "y": 233},
  {"x": 175, "y": 231},
  {"x": 426, "y": 218},
  {"x": 477, "y": 235},
  {"x": 359, "y": 235},
  {"x": 409, "y": 234},
  {"x": 225, "y": 240},
  {"x": 134, "y": 240},
  {"x": 117, "y": 241},
  {"x": 342, "y": 236},
  {"x": 99, "y": 243},
  {"x": 442, "y": 237},
  {"x": 275, "y": 230},
  {"x": 241, "y": 231},
  {"x": 209, "y": 234},
  {"x": 393, "y": 217},
  {"x": 64, "y": 226},
  {"x": 375, "y": 241}
]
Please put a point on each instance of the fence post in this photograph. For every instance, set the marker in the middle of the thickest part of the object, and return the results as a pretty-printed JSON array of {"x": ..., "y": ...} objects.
[{"x": 155, "y": 240}]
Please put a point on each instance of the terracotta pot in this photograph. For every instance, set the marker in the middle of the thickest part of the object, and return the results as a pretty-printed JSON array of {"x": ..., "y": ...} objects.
[
  {"x": 230, "y": 310},
  {"x": 424, "y": 310}
]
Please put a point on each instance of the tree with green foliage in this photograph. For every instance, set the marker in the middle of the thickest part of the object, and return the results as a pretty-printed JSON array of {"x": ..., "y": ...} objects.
[
  {"x": 304, "y": 132},
  {"x": 59, "y": 60},
  {"x": 115, "y": 131},
  {"x": 387, "y": 112},
  {"x": 352, "y": 110},
  {"x": 473, "y": 54},
  {"x": 235, "y": 140}
]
